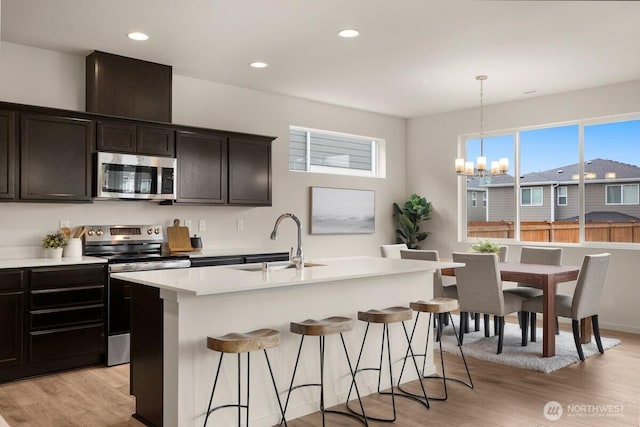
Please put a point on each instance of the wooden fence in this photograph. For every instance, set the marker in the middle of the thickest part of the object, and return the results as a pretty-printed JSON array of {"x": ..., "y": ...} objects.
[{"x": 558, "y": 231}]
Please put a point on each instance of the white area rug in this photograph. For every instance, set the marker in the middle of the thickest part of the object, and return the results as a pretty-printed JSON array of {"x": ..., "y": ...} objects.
[
  {"x": 513, "y": 354},
  {"x": 3, "y": 423}
]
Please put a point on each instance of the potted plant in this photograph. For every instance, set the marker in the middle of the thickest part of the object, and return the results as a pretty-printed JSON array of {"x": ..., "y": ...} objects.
[
  {"x": 53, "y": 244},
  {"x": 408, "y": 218},
  {"x": 486, "y": 246}
]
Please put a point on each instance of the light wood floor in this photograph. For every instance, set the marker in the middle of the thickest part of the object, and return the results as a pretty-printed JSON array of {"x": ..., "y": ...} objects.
[{"x": 503, "y": 396}]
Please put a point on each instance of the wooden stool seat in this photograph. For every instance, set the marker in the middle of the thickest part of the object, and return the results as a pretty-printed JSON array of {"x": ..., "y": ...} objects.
[
  {"x": 436, "y": 305},
  {"x": 328, "y": 326},
  {"x": 244, "y": 342},
  {"x": 386, "y": 315}
]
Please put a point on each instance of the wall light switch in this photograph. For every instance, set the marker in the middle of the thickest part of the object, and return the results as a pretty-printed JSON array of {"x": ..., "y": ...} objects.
[
  {"x": 240, "y": 225},
  {"x": 202, "y": 225},
  {"x": 187, "y": 223},
  {"x": 64, "y": 223}
]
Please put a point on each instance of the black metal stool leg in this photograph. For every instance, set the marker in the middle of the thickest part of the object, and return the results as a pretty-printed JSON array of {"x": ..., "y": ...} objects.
[
  {"x": 215, "y": 383},
  {"x": 275, "y": 388}
]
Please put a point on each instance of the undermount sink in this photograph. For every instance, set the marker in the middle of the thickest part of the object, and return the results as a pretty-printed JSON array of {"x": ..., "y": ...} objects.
[{"x": 271, "y": 266}]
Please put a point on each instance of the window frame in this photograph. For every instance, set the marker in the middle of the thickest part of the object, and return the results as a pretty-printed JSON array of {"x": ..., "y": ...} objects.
[
  {"x": 622, "y": 202},
  {"x": 532, "y": 204},
  {"x": 566, "y": 195},
  {"x": 582, "y": 182},
  {"x": 474, "y": 199},
  {"x": 378, "y": 154}
]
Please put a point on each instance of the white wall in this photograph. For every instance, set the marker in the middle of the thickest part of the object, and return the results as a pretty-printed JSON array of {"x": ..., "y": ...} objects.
[
  {"x": 432, "y": 147},
  {"x": 41, "y": 77}
]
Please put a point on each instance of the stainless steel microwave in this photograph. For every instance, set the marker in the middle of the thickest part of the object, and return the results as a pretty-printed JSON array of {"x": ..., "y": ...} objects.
[{"x": 130, "y": 176}]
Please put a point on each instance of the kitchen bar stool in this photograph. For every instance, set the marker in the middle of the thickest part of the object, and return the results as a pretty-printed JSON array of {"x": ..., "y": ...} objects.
[
  {"x": 386, "y": 317},
  {"x": 239, "y": 343},
  {"x": 440, "y": 307},
  {"x": 320, "y": 329}
]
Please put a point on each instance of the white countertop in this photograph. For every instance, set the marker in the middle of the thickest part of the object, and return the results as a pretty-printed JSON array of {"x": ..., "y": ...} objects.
[
  {"x": 48, "y": 262},
  {"x": 228, "y": 279}
]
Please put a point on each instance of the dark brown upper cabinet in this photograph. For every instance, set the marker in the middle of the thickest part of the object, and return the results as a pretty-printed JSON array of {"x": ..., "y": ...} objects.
[
  {"x": 8, "y": 157},
  {"x": 55, "y": 158},
  {"x": 132, "y": 138},
  {"x": 128, "y": 87},
  {"x": 202, "y": 167},
  {"x": 250, "y": 170}
]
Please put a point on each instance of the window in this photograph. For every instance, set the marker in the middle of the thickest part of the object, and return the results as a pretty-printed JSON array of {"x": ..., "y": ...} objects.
[
  {"x": 626, "y": 194},
  {"x": 484, "y": 199},
  {"x": 474, "y": 199},
  {"x": 319, "y": 151},
  {"x": 531, "y": 196},
  {"x": 594, "y": 161},
  {"x": 562, "y": 196}
]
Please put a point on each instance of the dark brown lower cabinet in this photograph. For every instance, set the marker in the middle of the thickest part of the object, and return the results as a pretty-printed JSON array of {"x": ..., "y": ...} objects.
[
  {"x": 147, "y": 353},
  {"x": 11, "y": 328},
  {"x": 51, "y": 319}
]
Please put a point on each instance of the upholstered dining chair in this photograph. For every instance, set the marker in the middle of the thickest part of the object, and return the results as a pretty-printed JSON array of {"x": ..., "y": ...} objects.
[
  {"x": 392, "y": 251},
  {"x": 439, "y": 290},
  {"x": 480, "y": 291},
  {"x": 584, "y": 302},
  {"x": 535, "y": 255}
]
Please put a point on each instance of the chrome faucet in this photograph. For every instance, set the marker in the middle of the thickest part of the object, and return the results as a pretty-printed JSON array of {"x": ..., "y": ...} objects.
[{"x": 298, "y": 259}]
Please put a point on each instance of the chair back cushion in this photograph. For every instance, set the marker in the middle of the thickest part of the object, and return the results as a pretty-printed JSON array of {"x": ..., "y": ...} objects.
[
  {"x": 426, "y": 255},
  {"x": 479, "y": 284},
  {"x": 535, "y": 255},
  {"x": 502, "y": 253},
  {"x": 392, "y": 251},
  {"x": 586, "y": 297}
]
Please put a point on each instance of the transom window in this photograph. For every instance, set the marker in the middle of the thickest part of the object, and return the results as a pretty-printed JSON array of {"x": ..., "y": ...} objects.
[
  {"x": 626, "y": 194},
  {"x": 312, "y": 150},
  {"x": 531, "y": 196}
]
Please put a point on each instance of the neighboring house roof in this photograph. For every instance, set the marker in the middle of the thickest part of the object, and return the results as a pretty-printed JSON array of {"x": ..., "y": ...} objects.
[
  {"x": 566, "y": 174},
  {"x": 604, "y": 216}
]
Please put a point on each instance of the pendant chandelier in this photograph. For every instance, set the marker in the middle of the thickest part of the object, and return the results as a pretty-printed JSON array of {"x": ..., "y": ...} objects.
[{"x": 498, "y": 167}]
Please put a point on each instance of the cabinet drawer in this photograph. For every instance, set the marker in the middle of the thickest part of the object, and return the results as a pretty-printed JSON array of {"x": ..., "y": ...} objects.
[
  {"x": 49, "y": 298},
  {"x": 67, "y": 276},
  {"x": 66, "y": 342},
  {"x": 53, "y": 318},
  {"x": 11, "y": 279}
]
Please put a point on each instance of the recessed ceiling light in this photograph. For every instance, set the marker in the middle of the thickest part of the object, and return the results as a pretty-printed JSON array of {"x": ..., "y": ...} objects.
[
  {"x": 259, "y": 64},
  {"x": 138, "y": 36},
  {"x": 349, "y": 33}
]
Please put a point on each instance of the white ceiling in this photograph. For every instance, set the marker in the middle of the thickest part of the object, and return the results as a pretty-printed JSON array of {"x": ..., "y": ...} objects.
[{"x": 414, "y": 57}]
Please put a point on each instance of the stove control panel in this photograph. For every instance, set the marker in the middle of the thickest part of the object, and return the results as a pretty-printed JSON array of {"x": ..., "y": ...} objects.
[{"x": 102, "y": 234}]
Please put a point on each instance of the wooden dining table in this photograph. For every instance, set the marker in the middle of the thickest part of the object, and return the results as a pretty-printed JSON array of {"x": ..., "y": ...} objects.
[{"x": 545, "y": 277}]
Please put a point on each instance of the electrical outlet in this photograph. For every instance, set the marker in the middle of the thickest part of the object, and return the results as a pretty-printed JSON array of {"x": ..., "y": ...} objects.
[
  {"x": 187, "y": 223},
  {"x": 64, "y": 223},
  {"x": 240, "y": 225},
  {"x": 202, "y": 225}
]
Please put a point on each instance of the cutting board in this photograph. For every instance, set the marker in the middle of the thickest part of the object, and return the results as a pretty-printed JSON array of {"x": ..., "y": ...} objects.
[{"x": 178, "y": 238}]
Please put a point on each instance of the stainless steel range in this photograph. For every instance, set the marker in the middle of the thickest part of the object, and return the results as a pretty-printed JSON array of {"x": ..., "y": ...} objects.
[{"x": 127, "y": 248}]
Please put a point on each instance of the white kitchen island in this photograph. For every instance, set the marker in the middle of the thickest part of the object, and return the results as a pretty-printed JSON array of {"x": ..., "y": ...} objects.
[{"x": 209, "y": 301}]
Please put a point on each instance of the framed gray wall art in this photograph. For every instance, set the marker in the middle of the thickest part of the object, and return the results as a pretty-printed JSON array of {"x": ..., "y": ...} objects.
[{"x": 342, "y": 211}]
